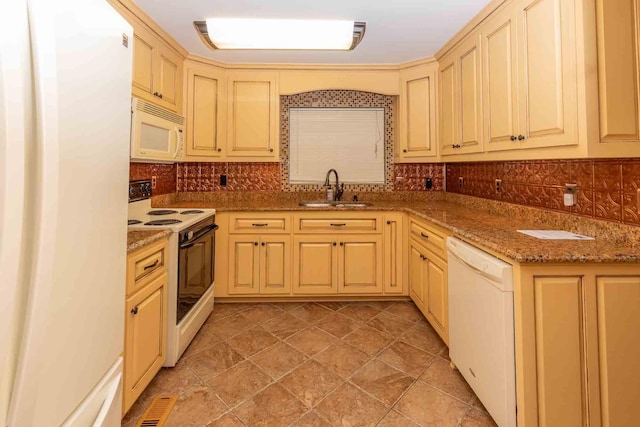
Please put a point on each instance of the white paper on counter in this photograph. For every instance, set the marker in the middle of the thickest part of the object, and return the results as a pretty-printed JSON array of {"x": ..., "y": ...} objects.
[{"x": 554, "y": 235}]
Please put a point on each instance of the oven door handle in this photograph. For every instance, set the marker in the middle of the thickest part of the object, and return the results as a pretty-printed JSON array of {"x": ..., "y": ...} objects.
[{"x": 201, "y": 233}]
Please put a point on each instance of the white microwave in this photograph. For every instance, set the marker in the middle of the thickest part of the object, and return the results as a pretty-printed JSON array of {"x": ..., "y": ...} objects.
[{"x": 157, "y": 134}]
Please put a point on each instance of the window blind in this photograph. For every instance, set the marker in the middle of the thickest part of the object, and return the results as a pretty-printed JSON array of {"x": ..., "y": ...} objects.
[{"x": 349, "y": 140}]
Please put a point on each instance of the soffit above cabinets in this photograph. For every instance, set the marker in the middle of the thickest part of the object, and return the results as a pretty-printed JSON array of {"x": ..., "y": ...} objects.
[{"x": 397, "y": 31}]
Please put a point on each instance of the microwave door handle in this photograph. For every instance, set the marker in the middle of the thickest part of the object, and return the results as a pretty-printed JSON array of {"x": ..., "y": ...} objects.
[{"x": 175, "y": 154}]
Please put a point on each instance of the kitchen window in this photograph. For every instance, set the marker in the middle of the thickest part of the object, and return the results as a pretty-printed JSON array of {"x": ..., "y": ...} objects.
[{"x": 350, "y": 140}]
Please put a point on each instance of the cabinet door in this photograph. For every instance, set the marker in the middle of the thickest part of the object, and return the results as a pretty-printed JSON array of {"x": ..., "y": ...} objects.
[
  {"x": 244, "y": 265},
  {"x": 417, "y": 276},
  {"x": 437, "y": 297},
  {"x": 252, "y": 114},
  {"x": 547, "y": 73},
  {"x": 447, "y": 111},
  {"x": 203, "y": 99},
  {"x": 145, "y": 337},
  {"x": 418, "y": 119},
  {"x": 275, "y": 265},
  {"x": 560, "y": 351},
  {"x": 360, "y": 264},
  {"x": 500, "y": 84},
  {"x": 618, "y": 76},
  {"x": 144, "y": 57},
  {"x": 315, "y": 265},
  {"x": 394, "y": 254},
  {"x": 470, "y": 86},
  {"x": 618, "y": 302},
  {"x": 169, "y": 78}
]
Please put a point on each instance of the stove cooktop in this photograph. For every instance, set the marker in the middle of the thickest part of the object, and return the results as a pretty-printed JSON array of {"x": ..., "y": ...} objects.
[
  {"x": 162, "y": 212},
  {"x": 163, "y": 222},
  {"x": 191, "y": 212},
  {"x": 133, "y": 222}
]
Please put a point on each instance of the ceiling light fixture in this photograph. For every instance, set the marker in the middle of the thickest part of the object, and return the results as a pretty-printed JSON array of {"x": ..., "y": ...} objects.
[{"x": 297, "y": 34}]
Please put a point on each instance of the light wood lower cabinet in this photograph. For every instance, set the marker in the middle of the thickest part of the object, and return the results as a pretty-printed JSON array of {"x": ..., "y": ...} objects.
[
  {"x": 145, "y": 320},
  {"x": 259, "y": 265},
  {"x": 577, "y": 346},
  {"x": 346, "y": 264},
  {"x": 428, "y": 286},
  {"x": 395, "y": 249}
]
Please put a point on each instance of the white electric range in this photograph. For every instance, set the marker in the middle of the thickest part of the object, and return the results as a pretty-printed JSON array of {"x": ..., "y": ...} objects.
[{"x": 190, "y": 293}]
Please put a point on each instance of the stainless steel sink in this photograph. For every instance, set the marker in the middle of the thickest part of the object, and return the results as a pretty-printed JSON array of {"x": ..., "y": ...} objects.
[{"x": 323, "y": 204}]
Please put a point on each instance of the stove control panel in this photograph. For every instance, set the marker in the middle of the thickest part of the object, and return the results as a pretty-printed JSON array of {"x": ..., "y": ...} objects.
[{"x": 139, "y": 190}]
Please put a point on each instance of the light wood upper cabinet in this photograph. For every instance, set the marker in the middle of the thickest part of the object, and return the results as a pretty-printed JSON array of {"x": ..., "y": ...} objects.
[
  {"x": 461, "y": 100},
  {"x": 252, "y": 114},
  {"x": 417, "y": 112},
  {"x": 157, "y": 70},
  {"x": 447, "y": 104},
  {"x": 618, "y": 24},
  {"x": 500, "y": 81},
  {"x": 548, "y": 103},
  {"x": 205, "y": 131}
]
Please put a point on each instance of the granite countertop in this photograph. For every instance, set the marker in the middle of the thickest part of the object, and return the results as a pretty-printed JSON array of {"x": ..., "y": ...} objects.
[
  {"x": 137, "y": 239},
  {"x": 492, "y": 230}
]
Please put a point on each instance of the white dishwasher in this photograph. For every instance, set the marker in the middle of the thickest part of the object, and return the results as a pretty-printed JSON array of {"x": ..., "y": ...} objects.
[{"x": 481, "y": 330}]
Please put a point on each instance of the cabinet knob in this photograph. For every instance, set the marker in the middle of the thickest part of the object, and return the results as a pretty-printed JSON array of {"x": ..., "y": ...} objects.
[
  {"x": 271, "y": 150},
  {"x": 341, "y": 243},
  {"x": 513, "y": 137},
  {"x": 388, "y": 222},
  {"x": 520, "y": 137},
  {"x": 134, "y": 310},
  {"x": 263, "y": 243},
  {"x": 255, "y": 243},
  {"x": 219, "y": 150},
  {"x": 155, "y": 93},
  {"x": 404, "y": 151},
  {"x": 334, "y": 243}
]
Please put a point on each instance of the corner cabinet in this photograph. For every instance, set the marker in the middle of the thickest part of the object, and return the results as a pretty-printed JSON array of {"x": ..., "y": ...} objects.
[
  {"x": 418, "y": 113},
  {"x": 252, "y": 115},
  {"x": 145, "y": 319}
]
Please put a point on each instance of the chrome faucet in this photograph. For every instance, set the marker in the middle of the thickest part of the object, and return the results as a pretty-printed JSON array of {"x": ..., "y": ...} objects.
[{"x": 337, "y": 194}]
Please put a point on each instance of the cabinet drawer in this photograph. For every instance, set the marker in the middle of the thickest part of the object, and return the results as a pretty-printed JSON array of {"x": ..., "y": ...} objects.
[
  {"x": 329, "y": 224},
  {"x": 430, "y": 238},
  {"x": 278, "y": 223},
  {"x": 146, "y": 264}
]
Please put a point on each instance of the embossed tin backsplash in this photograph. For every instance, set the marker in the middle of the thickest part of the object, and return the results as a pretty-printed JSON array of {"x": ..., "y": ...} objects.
[{"x": 608, "y": 189}]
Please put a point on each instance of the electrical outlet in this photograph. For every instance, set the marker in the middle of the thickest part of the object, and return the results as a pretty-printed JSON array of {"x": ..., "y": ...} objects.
[
  {"x": 223, "y": 180},
  {"x": 498, "y": 185},
  {"x": 569, "y": 196},
  {"x": 460, "y": 182},
  {"x": 153, "y": 182},
  {"x": 428, "y": 183}
]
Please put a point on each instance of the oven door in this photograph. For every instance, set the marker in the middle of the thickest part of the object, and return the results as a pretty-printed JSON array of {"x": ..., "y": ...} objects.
[{"x": 196, "y": 263}]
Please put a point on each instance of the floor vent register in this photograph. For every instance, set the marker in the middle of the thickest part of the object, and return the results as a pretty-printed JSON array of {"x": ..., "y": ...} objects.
[{"x": 158, "y": 411}]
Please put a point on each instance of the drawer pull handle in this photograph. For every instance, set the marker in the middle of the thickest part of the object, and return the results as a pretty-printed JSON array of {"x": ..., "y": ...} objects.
[
  {"x": 424, "y": 235},
  {"x": 152, "y": 265},
  {"x": 259, "y": 225},
  {"x": 338, "y": 225},
  {"x": 134, "y": 310}
]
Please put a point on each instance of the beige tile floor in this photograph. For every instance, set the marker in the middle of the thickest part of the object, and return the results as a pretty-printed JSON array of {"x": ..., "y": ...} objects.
[{"x": 316, "y": 364}]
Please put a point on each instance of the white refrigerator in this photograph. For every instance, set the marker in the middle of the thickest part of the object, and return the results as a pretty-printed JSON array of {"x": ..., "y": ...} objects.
[{"x": 65, "y": 90}]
